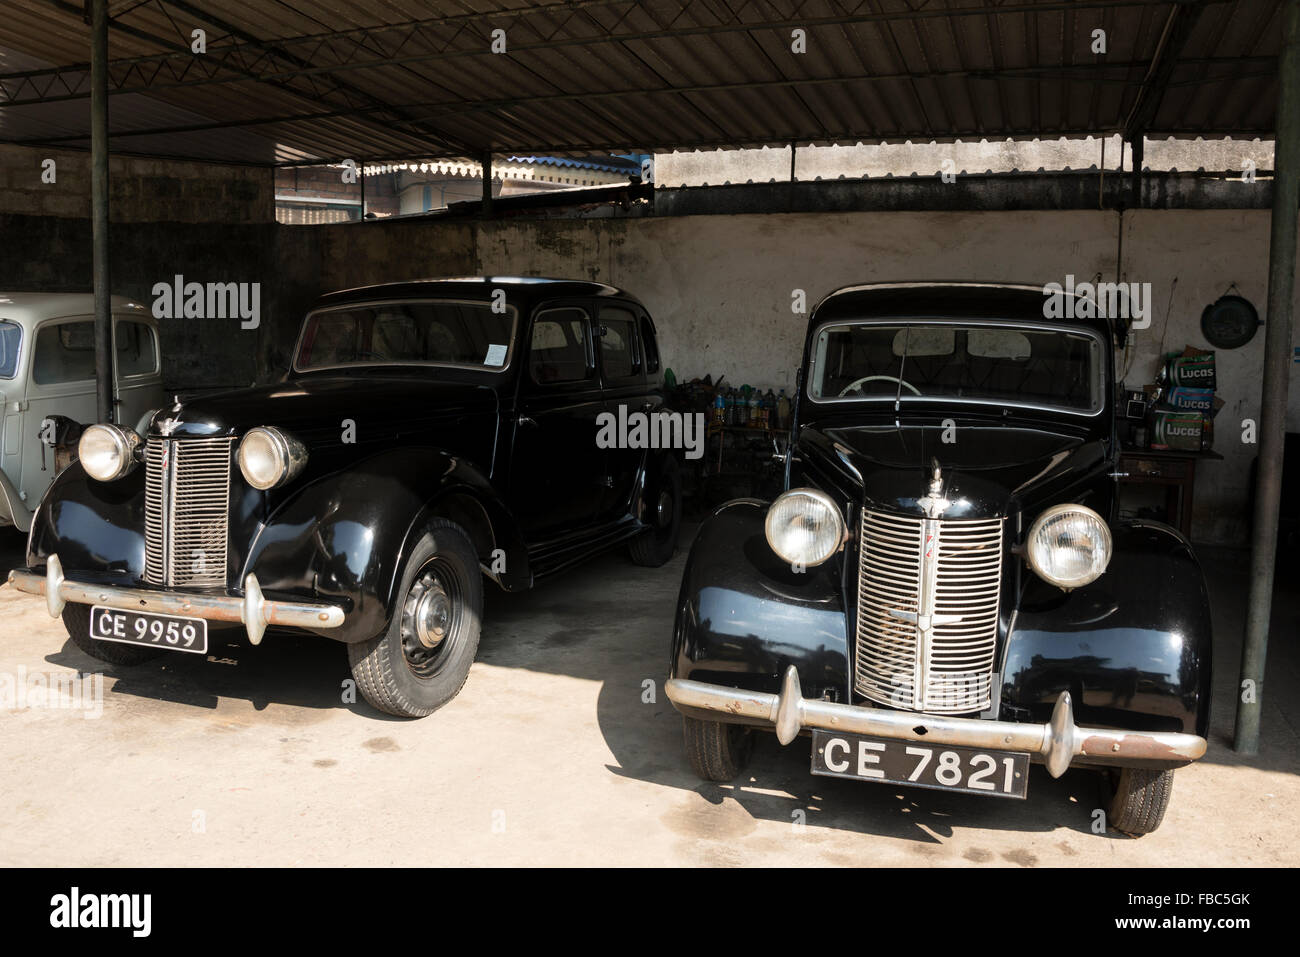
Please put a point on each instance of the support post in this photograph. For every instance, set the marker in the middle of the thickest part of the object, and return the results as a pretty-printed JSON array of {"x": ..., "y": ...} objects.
[
  {"x": 104, "y": 408},
  {"x": 1135, "y": 145},
  {"x": 1273, "y": 392}
]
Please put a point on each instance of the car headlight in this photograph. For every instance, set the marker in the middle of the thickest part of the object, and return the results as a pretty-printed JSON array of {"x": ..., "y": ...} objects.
[
  {"x": 268, "y": 457},
  {"x": 1069, "y": 546},
  {"x": 804, "y": 527},
  {"x": 107, "y": 452}
]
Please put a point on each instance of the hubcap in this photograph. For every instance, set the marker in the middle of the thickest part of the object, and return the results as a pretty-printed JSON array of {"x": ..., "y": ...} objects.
[
  {"x": 664, "y": 509},
  {"x": 430, "y": 618}
]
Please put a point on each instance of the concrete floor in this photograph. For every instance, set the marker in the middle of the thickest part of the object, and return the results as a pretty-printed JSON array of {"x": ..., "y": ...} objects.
[{"x": 551, "y": 756}]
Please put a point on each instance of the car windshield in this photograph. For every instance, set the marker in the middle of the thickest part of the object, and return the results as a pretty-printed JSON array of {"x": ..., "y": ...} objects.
[
  {"x": 11, "y": 335},
  {"x": 470, "y": 334},
  {"x": 978, "y": 361}
]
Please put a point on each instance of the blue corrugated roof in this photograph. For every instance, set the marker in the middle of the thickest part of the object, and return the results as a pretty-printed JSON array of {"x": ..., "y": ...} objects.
[{"x": 611, "y": 164}]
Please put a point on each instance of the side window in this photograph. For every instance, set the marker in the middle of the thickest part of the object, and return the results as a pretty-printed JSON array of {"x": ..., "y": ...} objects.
[
  {"x": 137, "y": 352},
  {"x": 650, "y": 346},
  {"x": 11, "y": 334},
  {"x": 558, "y": 349},
  {"x": 65, "y": 352},
  {"x": 618, "y": 351}
]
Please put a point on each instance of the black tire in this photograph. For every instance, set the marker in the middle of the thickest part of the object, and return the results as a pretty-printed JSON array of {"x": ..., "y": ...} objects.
[
  {"x": 1137, "y": 798},
  {"x": 664, "y": 516},
  {"x": 76, "y": 618},
  {"x": 717, "y": 751},
  {"x": 397, "y": 671}
]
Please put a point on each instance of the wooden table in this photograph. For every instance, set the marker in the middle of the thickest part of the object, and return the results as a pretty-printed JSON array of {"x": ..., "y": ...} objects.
[{"x": 1175, "y": 470}]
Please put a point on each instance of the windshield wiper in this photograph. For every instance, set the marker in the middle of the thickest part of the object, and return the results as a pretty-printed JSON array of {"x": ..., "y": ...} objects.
[{"x": 902, "y": 365}]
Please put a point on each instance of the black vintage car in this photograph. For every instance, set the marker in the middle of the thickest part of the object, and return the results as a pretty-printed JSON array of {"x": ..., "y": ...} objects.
[
  {"x": 426, "y": 431},
  {"x": 944, "y": 588}
]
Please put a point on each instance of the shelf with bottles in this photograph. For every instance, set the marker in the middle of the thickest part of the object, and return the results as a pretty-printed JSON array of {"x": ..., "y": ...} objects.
[{"x": 749, "y": 409}]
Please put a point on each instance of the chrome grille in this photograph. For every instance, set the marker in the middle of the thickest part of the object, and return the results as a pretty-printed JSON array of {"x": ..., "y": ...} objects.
[
  {"x": 186, "y": 502},
  {"x": 927, "y": 611}
]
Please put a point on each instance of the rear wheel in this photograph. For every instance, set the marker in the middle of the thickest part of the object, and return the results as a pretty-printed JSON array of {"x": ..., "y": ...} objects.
[
  {"x": 717, "y": 751},
  {"x": 76, "y": 618},
  {"x": 663, "y": 515},
  {"x": 422, "y": 660},
  {"x": 1137, "y": 798}
]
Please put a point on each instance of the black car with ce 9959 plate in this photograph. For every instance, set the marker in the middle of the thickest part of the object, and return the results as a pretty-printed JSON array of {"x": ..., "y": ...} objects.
[{"x": 426, "y": 436}]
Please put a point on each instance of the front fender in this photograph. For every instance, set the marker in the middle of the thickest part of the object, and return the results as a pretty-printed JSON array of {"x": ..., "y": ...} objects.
[
  {"x": 743, "y": 615},
  {"x": 97, "y": 528},
  {"x": 1133, "y": 648},
  {"x": 345, "y": 537}
]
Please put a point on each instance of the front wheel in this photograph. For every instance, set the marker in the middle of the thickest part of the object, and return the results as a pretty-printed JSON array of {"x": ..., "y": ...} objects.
[
  {"x": 76, "y": 618},
  {"x": 422, "y": 660},
  {"x": 1138, "y": 798},
  {"x": 717, "y": 751}
]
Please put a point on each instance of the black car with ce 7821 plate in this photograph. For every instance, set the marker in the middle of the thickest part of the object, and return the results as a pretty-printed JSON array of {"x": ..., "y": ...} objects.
[{"x": 944, "y": 592}]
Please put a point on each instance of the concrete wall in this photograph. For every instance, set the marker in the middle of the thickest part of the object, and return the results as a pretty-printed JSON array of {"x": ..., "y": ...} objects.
[
  {"x": 720, "y": 287},
  {"x": 141, "y": 190}
]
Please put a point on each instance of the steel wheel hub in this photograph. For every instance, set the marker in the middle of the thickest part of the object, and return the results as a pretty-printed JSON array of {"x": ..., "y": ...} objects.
[{"x": 432, "y": 615}]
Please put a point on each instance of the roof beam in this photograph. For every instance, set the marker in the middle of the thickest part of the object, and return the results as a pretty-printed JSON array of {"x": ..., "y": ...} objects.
[
  {"x": 1085, "y": 72},
  {"x": 1182, "y": 18}
]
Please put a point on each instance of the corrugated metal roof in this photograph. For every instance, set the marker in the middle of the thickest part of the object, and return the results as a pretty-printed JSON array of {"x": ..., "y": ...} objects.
[{"x": 295, "y": 80}]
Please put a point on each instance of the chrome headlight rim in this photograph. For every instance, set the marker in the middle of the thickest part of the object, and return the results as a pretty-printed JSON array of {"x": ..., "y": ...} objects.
[
  {"x": 819, "y": 499},
  {"x": 289, "y": 457},
  {"x": 1108, "y": 544},
  {"x": 124, "y": 441}
]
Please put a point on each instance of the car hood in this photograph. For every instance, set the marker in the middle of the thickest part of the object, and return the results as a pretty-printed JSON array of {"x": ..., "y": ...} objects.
[
  {"x": 986, "y": 470},
  {"x": 316, "y": 409}
]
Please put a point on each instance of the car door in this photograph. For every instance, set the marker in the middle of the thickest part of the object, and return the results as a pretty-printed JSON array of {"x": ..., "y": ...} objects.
[
  {"x": 60, "y": 381},
  {"x": 137, "y": 369},
  {"x": 557, "y": 471},
  {"x": 626, "y": 394}
]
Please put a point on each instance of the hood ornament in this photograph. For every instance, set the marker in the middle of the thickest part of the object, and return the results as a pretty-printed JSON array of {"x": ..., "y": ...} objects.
[
  {"x": 168, "y": 425},
  {"x": 934, "y": 503}
]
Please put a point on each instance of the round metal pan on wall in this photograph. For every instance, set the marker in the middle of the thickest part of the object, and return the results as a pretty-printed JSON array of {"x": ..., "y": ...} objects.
[{"x": 1229, "y": 322}]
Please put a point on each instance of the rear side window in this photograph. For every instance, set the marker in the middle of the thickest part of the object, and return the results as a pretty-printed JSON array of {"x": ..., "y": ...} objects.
[
  {"x": 65, "y": 352},
  {"x": 558, "y": 350},
  {"x": 137, "y": 353},
  {"x": 11, "y": 334},
  {"x": 618, "y": 352}
]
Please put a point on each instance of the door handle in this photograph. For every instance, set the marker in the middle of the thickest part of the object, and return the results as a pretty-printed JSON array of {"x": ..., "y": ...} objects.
[{"x": 527, "y": 420}]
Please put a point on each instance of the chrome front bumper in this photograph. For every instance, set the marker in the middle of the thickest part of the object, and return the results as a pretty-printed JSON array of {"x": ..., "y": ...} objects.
[
  {"x": 1058, "y": 743},
  {"x": 254, "y": 611}
]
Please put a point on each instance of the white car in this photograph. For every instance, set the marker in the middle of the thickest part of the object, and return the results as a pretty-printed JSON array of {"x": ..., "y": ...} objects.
[{"x": 47, "y": 368}]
